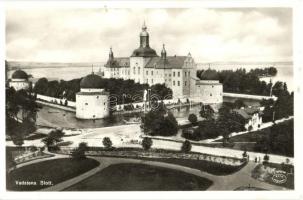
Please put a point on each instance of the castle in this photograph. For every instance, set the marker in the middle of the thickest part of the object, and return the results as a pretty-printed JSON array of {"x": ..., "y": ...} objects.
[{"x": 145, "y": 66}]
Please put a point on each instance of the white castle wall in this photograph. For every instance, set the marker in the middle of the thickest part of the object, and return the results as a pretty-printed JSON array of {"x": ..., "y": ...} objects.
[
  {"x": 19, "y": 84},
  {"x": 53, "y": 100},
  {"x": 209, "y": 92}
]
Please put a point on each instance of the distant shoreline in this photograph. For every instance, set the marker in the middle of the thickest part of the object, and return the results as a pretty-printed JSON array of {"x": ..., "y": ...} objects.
[{"x": 13, "y": 65}]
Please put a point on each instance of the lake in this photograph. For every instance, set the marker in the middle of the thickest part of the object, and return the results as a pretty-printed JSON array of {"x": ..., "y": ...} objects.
[{"x": 285, "y": 72}]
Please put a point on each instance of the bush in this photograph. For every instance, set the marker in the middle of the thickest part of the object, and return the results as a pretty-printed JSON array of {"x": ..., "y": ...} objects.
[
  {"x": 193, "y": 119},
  {"x": 186, "y": 146},
  {"x": 79, "y": 153},
  {"x": 107, "y": 143},
  {"x": 147, "y": 143},
  {"x": 265, "y": 159}
]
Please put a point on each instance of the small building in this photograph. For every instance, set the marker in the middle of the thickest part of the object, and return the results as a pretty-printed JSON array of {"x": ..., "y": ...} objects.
[
  {"x": 92, "y": 102},
  {"x": 253, "y": 117},
  {"x": 19, "y": 81},
  {"x": 209, "y": 90}
]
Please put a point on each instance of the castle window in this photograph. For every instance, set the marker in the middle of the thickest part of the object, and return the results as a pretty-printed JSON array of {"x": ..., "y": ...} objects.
[
  {"x": 178, "y": 83},
  {"x": 212, "y": 86},
  {"x": 138, "y": 70},
  {"x": 185, "y": 83},
  {"x": 146, "y": 72},
  {"x": 211, "y": 94},
  {"x": 134, "y": 70},
  {"x": 104, "y": 103},
  {"x": 152, "y": 73},
  {"x": 169, "y": 75},
  {"x": 173, "y": 82},
  {"x": 152, "y": 81},
  {"x": 86, "y": 104},
  {"x": 184, "y": 73},
  {"x": 178, "y": 74},
  {"x": 97, "y": 97},
  {"x": 174, "y": 74}
]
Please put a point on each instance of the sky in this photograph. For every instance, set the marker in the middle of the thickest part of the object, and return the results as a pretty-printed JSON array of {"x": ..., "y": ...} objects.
[{"x": 210, "y": 35}]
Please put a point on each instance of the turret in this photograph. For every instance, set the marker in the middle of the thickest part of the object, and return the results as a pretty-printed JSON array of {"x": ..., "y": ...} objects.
[
  {"x": 111, "y": 54},
  {"x": 163, "y": 53},
  {"x": 144, "y": 37}
]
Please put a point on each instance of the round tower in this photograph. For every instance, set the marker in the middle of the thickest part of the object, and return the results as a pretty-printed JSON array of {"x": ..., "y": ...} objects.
[
  {"x": 19, "y": 80},
  {"x": 209, "y": 90},
  {"x": 92, "y": 102}
]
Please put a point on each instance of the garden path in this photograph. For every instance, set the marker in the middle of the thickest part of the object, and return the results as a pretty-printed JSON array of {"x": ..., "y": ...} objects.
[{"x": 229, "y": 182}]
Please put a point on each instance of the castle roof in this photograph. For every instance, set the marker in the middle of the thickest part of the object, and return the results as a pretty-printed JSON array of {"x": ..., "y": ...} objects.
[
  {"x": 19, "y": 74},
  {"x": 91, "y": 81},
  {"x": 209, "y": 74},
  {"x": 117, "y": 62},
  {"x": 144, "y": 52},
  {"x": 171, "y": 62},
  {"x": 247, "y": 113}
]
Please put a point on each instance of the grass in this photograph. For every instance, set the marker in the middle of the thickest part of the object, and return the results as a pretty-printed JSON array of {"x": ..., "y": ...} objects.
[
  {"x": 54, "y": 171},
  {"x": 140, "y": 177}
]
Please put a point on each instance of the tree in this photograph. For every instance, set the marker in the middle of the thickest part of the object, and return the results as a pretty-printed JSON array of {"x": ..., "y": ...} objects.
[
  {"x": 193, "y": 118},
  {"x": 159, "y": 122},
  {"x": 41, "y": 86},
  {"x": 186, "y": 146},
  {"x": 21, "y": 112},
  {"x": 161, "y": 91},
  {"x": 53, "y": 138},
  {"x": 207, "y": 112},
  {"x": 107, "y": 143},
  {"x": 265, "y": 158},
  {"x": 147, "y": 143},
  {"x": 239, "y": 103},
  {"x": 79, "y": 153},
  {"x": 244, "y": 154}
]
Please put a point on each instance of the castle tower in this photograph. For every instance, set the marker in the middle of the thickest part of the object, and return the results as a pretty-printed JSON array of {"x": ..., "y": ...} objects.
[
  {"x": 92, "y": 101},
  {"x": 141, "y": 56},
  {"x": 144, "y": 37},
  {"x": 20, "y": 81}
]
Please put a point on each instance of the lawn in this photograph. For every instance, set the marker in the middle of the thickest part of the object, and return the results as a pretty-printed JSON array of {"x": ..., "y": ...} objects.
[
  {"x": 140, "y": 177},
  {"x": 51, "y": 171},
  {"x": 278, "y": 139}
]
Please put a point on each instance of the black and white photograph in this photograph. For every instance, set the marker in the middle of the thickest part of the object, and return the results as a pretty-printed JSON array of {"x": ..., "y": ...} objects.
[{"x": 149, "y": 98}]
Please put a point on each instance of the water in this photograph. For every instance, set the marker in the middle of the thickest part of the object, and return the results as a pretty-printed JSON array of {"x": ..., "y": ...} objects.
[
  {"x": 53, "y": 117},
  {"x": 285, "y": 71},
  {"x": 58, "y": 73}
]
